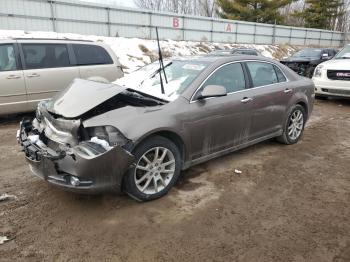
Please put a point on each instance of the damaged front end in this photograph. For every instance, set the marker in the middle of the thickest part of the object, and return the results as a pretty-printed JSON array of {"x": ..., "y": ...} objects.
[
  {"x": 65, "y": 154},
  {"x": 301, "y": 68}
]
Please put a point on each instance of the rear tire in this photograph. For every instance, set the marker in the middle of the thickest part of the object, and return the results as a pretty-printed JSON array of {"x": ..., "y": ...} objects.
[
  {"x": 157, "y": 168},
  {"x": 294, "y": 126}
]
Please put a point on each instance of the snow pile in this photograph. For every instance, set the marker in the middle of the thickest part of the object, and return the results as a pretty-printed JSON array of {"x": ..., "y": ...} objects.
[{"x": 135, "y": 52}]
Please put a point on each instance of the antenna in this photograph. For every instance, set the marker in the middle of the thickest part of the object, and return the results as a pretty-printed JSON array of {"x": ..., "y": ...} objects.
[{"x": 161, "y": 65}]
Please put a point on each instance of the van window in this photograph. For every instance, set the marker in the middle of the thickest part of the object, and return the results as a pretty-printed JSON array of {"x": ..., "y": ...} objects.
[
  {"x": 91, "y": 55},
  {"x": 262, "y": 73},
  {"x": 45, "y": 55},
  {"x": 7, "y": 58}
]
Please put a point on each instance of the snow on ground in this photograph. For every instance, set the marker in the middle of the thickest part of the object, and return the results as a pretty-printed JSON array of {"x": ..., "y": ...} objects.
[{"x": 135, "y": 52}]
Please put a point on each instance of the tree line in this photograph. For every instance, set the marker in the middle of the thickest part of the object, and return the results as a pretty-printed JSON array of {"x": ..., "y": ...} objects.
[{"x": 322, "y": 14}]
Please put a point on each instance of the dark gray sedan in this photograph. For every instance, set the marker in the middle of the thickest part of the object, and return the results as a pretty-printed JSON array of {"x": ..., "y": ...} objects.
[{"x": 136, "y": 135}]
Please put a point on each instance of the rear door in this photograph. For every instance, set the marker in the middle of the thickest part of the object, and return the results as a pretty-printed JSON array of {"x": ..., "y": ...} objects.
[
  {"x": 220, "y": 123},
  {"x": 12, "y": 87},
  {"x": 94, "y": 61},
  {"x": 270, "y": 98},
  {"x": 47, "y": 70}
]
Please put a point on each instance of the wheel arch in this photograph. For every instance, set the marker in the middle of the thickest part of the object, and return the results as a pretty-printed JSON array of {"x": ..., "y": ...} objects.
[
  {"x": 172, "y": 136},
  {"x": 305, "y": 106}
]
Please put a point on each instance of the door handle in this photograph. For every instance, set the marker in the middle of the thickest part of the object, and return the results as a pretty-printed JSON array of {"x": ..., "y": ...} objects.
[
  {"x": 33, "y": 75},
  {"x": 246, "y": 100},
  {"x": 287, "y": 91},
  {"x": 13, "y": 77}
]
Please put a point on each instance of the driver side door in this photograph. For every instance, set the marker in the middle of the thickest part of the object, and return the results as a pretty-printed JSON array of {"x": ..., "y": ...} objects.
[{"x": 218, "y": 124}]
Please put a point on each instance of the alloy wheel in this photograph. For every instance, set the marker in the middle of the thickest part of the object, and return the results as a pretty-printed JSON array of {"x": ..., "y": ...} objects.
[
  {"x": 154, "y": 170},
  {"x": 295, "y": 125}
]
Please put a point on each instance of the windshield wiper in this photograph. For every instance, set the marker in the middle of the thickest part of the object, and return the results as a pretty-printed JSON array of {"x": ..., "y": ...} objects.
[
  {"x": 159, "y": 69},
  {"x": 155, "y": 73},
  {"x": 161, "y": 65},
  {"x": 342, "y": 57}
]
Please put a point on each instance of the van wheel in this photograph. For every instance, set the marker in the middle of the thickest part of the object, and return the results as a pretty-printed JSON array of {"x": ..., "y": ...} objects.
[
  {"x": 294, "y": 126},
  {"x": 157, "y": 168}
]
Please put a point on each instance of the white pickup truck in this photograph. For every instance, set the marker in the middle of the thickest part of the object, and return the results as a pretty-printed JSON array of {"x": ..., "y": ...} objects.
[{"x": 332, "y": 78}]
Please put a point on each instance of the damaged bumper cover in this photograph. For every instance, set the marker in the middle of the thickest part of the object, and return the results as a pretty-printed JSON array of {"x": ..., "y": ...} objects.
[{"x": 80, "y": 168}]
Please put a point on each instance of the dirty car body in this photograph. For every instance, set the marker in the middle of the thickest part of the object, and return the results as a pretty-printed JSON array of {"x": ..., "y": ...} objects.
[{"x": 86, "y": 138}]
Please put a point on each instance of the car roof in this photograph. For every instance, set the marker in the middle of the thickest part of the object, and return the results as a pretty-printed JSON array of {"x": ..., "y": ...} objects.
[
  {"x": 234, "y": 49},
  {"x": 318, "y": 48},
  {"x": 221, "y": 59},
  {"x": 49, "y": 40}
]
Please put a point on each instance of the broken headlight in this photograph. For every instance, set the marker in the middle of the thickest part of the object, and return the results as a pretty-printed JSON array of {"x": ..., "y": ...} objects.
[
  {"x": 108, "y": 133},
  {"x": 38, "y": 112},
  {"x": 318, "y": 71}
]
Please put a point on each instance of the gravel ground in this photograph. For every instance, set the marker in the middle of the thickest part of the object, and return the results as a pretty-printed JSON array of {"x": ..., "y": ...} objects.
[{"x": 291, "y": 203}]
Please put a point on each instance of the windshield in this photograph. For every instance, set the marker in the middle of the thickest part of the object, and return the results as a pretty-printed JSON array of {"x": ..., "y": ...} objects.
[
  {"x": 344, "y": 53},
  {"x": 308, "y": 53},
  {"x": 180, "y": 75}
]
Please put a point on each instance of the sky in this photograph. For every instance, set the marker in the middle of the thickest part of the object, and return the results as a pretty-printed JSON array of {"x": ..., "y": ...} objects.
[{"x": 125, "y": 3}]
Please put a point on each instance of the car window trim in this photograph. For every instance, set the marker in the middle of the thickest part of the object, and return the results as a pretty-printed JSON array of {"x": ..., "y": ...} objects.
[
  {"x": 250, "y": 87},
  {"x": 274, "y": 68},
  {"x": 24, "y": 65},
  {"x": 17, "y": 59}
]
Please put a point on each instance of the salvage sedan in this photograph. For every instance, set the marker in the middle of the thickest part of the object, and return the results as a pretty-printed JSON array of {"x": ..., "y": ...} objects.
[
  {"x": 137, "y": 134},
  {"x": 305, "y": 61}
]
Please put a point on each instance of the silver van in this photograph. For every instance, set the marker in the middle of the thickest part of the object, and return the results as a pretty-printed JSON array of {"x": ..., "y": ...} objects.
[{"x": 32, "y": 70}]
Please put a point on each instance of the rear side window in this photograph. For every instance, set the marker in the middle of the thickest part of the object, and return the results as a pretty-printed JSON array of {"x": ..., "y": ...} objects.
[
  {"x": 280, "y": 75},
  {"x": 7, "y": 58},
  {"x": 38, "y": 56},
  {"x": 91, "y": 55},
  {"x": 230, "y": 76},
  {"x": 262, "y": 73}
]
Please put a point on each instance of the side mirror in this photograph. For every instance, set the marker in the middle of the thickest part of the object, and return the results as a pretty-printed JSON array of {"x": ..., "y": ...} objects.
[
  {"x": 325, "y": 56},
  {"x": 213, "y": 91}
]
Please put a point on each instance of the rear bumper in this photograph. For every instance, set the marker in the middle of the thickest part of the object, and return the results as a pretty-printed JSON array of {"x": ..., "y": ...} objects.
[
  {"x": 335, "y": 88},
  {"x": 73, "y": 169}
]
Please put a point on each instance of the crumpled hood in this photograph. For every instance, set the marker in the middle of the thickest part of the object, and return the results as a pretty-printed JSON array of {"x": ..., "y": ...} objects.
[{"x": 81, "y": 96}]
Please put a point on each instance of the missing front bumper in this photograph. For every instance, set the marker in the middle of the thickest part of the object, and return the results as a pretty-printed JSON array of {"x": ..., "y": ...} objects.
[{"x": 80, "y": 168}]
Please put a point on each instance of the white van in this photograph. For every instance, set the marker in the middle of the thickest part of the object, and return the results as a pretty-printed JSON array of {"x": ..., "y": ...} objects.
[{"x": 32, "y": 70}]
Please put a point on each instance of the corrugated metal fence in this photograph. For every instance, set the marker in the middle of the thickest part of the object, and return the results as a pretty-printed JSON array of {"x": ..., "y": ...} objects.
[{"x": 69, "y": 16}]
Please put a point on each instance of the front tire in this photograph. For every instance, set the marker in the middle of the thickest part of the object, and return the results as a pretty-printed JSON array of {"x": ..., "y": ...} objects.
[
  {"x": 294, "y": 126},
  {"x": 157, "y": 168}
]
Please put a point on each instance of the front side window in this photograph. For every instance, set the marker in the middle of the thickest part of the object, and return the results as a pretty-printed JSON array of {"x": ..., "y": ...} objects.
[
  {"x": 7, "y": 58},
  {"x": 91, "y": 55},
  {"x": 38, "y": 56},
  {"x": 230, "y": 76},
  {"x": 262, "y": 74}
]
